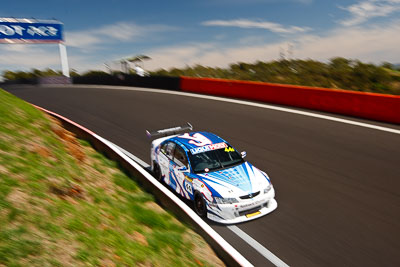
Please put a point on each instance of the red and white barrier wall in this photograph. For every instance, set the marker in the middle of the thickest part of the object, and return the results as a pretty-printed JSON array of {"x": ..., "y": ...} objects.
[{"x": 372, "y": 106}]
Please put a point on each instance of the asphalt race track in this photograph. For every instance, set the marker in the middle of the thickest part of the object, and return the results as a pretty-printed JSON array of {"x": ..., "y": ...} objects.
[{"x": 337, "y": 184}]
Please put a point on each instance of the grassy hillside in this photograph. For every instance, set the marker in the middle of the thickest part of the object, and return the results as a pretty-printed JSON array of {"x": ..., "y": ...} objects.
[{"x": 64, "y": 204}]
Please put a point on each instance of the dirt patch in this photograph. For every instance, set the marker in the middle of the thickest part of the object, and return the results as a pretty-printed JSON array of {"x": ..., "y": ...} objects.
[
  {"x": 154, "y": 207},
  {"x": 73, "y": 190},
  {"x": 19, "y": 198},
  {"x": 139, "y": 238},
  {"x": 69, "y": 140},
  {"x": 6, "y": 138},
  {"x": 107, "y": 263},
  {"x": 94, "y": 178},
  {"x": 40, "y": 150},
  {"x": 3, "y": 170},
  {"x": 62, "y": 250},
  {"x": 145, "y": 264},
  {"x": 202, "y": 251},
  {"x": 65, "y": 252}
]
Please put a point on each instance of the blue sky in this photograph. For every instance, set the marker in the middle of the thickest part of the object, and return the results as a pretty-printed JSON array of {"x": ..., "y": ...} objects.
[{"x": 208, "y": 32}]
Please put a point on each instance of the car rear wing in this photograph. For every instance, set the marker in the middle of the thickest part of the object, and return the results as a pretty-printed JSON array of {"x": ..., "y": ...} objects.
[{"x": 169, "y": 131}]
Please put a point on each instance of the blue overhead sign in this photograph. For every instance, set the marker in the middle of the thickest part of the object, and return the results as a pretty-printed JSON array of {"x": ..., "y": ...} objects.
[{"x": 30, "y": 31}]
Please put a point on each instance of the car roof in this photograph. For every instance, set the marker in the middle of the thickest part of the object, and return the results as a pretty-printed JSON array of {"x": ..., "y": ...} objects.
[{"x": 185, "y": 142}]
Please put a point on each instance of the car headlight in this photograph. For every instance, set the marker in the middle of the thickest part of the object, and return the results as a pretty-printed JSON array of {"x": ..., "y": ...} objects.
[
  {"x": 267, "y": 189},
  {"x": 227, "y": 200}
]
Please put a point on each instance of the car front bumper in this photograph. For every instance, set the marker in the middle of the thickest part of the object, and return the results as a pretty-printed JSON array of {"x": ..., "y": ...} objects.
[{"x": 244, "y": 210}]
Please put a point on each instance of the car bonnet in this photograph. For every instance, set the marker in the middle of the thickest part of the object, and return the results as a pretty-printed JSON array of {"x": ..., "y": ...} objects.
[{"x": 235, "y": 181}]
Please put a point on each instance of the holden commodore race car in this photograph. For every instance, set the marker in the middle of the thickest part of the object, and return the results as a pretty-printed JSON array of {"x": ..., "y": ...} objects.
[{"x": 204, "y": 168}]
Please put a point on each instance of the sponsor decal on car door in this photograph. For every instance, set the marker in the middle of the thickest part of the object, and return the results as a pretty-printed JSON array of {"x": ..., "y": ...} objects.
[
  {"x": 164, "y": 166},
  {"x": 180, "y": 178}
]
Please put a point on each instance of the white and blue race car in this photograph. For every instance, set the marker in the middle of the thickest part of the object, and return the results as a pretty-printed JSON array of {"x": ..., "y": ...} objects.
[{"x": 204, "y": 168}]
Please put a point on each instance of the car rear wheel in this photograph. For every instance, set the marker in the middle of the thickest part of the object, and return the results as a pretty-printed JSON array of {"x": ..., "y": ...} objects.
[
  {"x": 157, "y": 172},
  {"x": 200, "y": 206}
]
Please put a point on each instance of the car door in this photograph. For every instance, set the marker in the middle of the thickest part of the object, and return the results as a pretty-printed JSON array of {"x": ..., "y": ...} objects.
[
  {"x": 165, "y": 157},
  {"x": 180, "y": 167}
]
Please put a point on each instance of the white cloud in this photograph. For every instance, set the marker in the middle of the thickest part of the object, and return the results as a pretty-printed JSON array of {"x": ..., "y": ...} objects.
[
  {"x": 16, "y": 48},
  {"x": 372, "y": 44},
  {"x": 121, "y": 31},
  {"x": 208, "y": 54},
  {"x": 245, "y": 23},
  {"x": 81, "y": 39},
  {"x": 29, "y": 56},
  {"x": 118, "y": 32},
  {"x": 364, "y": 10},
  {"x": 91, "y": 38},
  {"x": 34, "y": 56}
]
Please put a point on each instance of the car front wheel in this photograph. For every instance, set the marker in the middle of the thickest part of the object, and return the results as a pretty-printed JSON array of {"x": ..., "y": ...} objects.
[{"x": 200, "y": 205}]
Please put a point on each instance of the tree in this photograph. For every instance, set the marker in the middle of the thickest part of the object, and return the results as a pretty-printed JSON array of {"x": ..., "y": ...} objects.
[
  {"x": 388, "y": 65},
  {"x": 139, "y": 58}
]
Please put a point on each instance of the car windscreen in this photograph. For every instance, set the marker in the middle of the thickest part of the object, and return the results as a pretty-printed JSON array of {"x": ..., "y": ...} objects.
[{"x": 215, "y": 159}]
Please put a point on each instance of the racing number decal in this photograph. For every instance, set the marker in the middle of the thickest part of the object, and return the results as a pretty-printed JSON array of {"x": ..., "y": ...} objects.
[
  {"x": 197, "y": 139},
  {"x": 229, "y": 149},
  {"x": 188, "y": 187}
]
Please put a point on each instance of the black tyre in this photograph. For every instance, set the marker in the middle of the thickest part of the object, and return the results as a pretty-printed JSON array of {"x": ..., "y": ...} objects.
[
  {"x": 200, "y": 206},
  {"x": 157, "y": 172}
]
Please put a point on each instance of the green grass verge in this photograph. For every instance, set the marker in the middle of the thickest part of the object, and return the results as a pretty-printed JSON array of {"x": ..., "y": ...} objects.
[{"x": 64, "y": 204}]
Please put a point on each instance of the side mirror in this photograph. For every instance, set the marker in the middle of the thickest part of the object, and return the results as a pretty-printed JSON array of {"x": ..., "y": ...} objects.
[
  {"x": 244, "y": 154},
  {"x": 182, "y": 168}
]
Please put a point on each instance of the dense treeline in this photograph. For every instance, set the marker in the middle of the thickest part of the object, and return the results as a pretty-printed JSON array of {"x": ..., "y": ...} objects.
[
  {"x": 337, "y": 73},
  {"x": 34, "y": 73}
]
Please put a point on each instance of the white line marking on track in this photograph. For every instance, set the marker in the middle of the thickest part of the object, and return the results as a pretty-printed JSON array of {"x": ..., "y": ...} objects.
[
  {"x": 257, "y": 246},
  {"x": 253, "y": 104}
]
